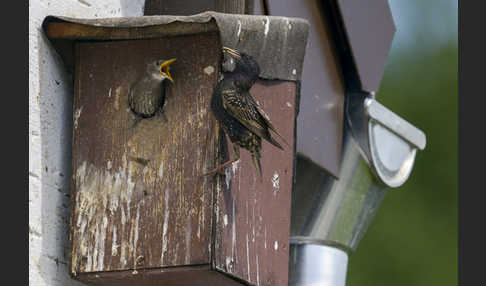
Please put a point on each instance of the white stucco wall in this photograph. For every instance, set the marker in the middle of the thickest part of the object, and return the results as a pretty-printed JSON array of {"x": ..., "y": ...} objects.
[{"x": 50, "y": 130}]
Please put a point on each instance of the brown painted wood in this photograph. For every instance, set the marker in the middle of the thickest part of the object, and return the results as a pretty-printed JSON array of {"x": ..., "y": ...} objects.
[
  {"x": 139, "y": 200},
  {"x": 142, "y": 212},
  {"x": 253, "y": 217},
  {"x": 76, "y": 31},
  {"x": 174, "y": 276}
]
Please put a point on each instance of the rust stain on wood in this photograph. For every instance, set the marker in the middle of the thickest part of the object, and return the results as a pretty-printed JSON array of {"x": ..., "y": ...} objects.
[
  {"x": 253, "y": 217},
  {"x": 139, "y": 198}
]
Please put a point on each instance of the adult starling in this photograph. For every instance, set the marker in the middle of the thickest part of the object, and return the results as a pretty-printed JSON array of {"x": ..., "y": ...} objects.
[
  {"x": 238, "y": 113},
  {"x": 146, "y": 95}
]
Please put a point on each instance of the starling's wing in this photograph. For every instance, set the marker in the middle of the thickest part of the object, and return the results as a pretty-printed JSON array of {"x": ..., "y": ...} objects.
[
  {"x": 266, "y": 119},
  {"x": 245, "y": 110}
]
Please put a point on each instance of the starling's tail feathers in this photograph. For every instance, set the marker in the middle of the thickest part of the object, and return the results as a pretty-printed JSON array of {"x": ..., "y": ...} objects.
[
  {"x": 281, "y": 138},
  {"x": 273, "y": 141},
  {"x": 257, "y": 164}
]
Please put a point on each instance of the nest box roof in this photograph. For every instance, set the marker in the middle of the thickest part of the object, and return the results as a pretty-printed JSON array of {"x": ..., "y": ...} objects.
[{"x": 278, "y": 43}]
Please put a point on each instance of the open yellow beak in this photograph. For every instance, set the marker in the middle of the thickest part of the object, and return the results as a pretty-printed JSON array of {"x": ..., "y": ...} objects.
[
  {"x": 232, "y": 52},
  {"x": 165, "y": 67}
]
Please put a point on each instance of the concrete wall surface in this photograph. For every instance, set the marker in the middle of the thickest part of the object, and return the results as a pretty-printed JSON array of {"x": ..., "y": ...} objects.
[{"x": 50, "y": 131}]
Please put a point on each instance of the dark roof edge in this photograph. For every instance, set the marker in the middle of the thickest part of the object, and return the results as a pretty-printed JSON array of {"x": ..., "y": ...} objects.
[{"x": 278, "y": 43}]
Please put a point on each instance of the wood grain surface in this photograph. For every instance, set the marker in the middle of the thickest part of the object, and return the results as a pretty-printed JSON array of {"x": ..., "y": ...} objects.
[
  {"x": 142, "y": 211},
  {"x": 139, "y": 198},
  {"x": 253, "y": 217}
]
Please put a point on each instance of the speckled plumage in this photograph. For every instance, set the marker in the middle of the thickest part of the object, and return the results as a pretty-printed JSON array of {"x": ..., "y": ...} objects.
[{"x": 238, "y": 113}]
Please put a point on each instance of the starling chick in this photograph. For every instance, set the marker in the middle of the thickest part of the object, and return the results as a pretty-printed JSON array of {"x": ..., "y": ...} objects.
[
  {"x": 146, "y": 95},
  {"x": 238, "y": 113}
]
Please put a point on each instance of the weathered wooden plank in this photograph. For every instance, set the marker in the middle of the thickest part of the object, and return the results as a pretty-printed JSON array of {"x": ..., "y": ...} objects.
[
  {"x": 200, "y": 275},
  {"x": 75, "y": 31},
  {"x": 253, "y": 217},
  {"x": 139, "y": 198}
]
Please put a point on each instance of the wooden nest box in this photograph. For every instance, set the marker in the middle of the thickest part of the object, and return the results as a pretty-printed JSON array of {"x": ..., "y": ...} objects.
[{"x": 142, "y": 211}]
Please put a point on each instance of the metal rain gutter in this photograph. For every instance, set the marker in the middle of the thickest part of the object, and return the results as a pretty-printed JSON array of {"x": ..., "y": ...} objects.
[{"x": 330, "y": 216}]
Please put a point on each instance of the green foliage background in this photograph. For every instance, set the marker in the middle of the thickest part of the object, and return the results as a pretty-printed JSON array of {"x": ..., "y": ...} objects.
[{"x": 414, "y": 237}]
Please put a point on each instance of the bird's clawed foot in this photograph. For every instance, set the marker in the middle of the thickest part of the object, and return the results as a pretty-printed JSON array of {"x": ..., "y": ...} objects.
[{"x": 219, "y": 169}]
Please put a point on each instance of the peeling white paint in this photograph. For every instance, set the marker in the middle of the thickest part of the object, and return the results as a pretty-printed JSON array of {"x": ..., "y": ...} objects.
[
  {"x": 130, "y": 243},
  {"x": 257, "y": 271},
  {"x": 165, "y": 225},
  {"x": 99, "y": 190},
  {"x": 275, "y": 245},
  {"x": 114, "y": 245},
  {"x": 275, "y": 182},
  {"x": 102, "y": 239},
  {"x": 248, "y": 257},
  {"x": 246, "y": 212},
  {"x": 265, "y": 241},
  {"x": 95, "y": 252},
  {"x": 267, "y": 25},
  {"x": 77, "y": 114},
  {"x": 89, "y": 261},
  {"x": 135, "y": 238},
  {"x": 233, "y": 230},
  {"x": 188, "y": 239},
  {"x": 235, "y": 166},
  {"x": 225, "y": 220},
  {"x": 239, "y": 28},
  {"x": 123, "y": 259},
  {"x": 228, "y": 263},
  {"x": 203, "y": 212},
  {"x": 116, "y": 103},
  {"x": 161, "y": 170},
  {"x": 239, "y": 179},
  {"x": 209, "y": 70}
]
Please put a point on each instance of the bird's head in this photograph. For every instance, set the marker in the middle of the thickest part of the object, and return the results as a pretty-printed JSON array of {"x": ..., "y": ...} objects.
[
  {"x": 244, "y": 63},
  {"x": 160, "y": 69}
]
